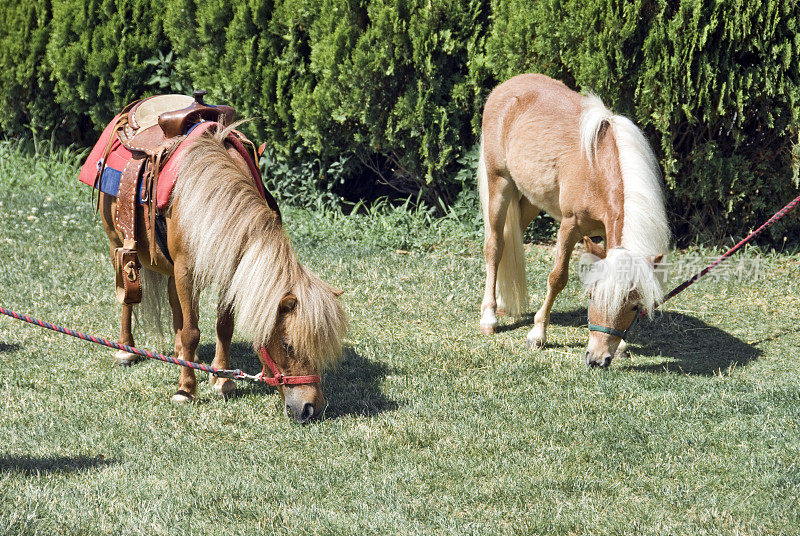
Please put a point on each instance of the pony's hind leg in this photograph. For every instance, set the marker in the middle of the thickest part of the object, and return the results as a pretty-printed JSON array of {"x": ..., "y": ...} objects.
[
  {"x": 188, "y": 337},
  {"x": 556, "y": 281},
  {"x": 123, "y": 357},
  {"x": 496, "y": 193},
  {"x": 223, "y": 387}
]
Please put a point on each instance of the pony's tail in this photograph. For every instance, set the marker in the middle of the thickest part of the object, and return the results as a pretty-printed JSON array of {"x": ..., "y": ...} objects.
[
  {"x": 154, "y": 301},
  {"x": 511, "y": 289}
]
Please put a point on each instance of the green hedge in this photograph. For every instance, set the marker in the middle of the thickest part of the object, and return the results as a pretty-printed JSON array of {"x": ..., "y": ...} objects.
[
  {"x": 715, "y": 84},
  {"x": 26, "y": 89},
  {"x": 355, "y": 97}
]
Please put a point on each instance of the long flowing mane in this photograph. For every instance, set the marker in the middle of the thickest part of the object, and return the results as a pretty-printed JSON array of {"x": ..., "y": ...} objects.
[
  {"x": 645, "y": 231},
  {"x": 240, "y": 247}
]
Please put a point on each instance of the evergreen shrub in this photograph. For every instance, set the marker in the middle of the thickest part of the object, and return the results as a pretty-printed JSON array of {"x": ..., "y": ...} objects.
[
  {"x": 715, "y": 85},
  {"x": 359, "y": 98}
]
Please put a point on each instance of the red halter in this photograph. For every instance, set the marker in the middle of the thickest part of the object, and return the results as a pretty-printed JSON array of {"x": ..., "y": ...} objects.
[{"x": 277, "y": 377}]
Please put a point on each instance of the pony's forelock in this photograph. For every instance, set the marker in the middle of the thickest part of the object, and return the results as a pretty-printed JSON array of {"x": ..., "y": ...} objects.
[{"x": 610, "y": 282}]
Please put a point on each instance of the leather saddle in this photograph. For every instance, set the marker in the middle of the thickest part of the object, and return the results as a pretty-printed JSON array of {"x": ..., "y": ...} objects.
[{"x": 151, "y": 129}]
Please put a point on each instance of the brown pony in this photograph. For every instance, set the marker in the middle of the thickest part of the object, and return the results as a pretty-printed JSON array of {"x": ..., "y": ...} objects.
[
  {"x": 546, "y": 147},
  {"x": 220, "y": 232}
]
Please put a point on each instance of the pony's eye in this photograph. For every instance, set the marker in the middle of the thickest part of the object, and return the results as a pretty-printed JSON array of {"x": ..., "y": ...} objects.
[{"x": 288, "y": 348}]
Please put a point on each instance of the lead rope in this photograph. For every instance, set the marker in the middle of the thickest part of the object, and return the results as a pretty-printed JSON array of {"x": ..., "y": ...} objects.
[
  {"x": 234, "y": 374},
  {"x": 692, "y": 280}
]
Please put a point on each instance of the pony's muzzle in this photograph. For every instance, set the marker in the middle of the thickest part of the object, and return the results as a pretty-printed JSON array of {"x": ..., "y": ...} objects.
[
  {"x": 601, "y": 349},
  {"x": 303, "y": 403},
  {"x": 301, "y": 414},
  {"x": 594, "y": 360}
]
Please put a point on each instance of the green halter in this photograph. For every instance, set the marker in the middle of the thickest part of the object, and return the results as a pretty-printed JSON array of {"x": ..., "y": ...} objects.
[{"x": 613, "y": 331}]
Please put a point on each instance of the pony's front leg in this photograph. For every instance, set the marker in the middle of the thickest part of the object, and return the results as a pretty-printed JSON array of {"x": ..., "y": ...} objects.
[
  {"x": 556, "y": 281},
  {"x": 223, "y": 387},
  {"x": 177, "y": 314},
  {"x": 189, "y": 333}
]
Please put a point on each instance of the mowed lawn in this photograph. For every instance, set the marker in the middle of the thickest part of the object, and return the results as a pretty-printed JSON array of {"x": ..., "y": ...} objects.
[{"x": 432, "y": 428}]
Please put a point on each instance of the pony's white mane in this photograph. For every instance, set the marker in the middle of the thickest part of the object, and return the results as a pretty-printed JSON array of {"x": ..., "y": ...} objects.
[
  {"x": 645, "y": 231},
  {"x": 239, "y": 247},
  {"x": 611, "y": 281}
]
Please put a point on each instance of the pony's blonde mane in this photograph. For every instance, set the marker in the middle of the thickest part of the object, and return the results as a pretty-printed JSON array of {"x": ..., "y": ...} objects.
[
  {"x": 644, "y": 228},
  {"x": 239, "y": 247},
  {"x": 645, "y": 231}
]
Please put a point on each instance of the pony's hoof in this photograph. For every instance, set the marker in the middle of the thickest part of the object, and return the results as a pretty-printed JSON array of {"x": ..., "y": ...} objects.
[
  {"x": 488, "y": 321},
  {"x": 182, "y": 397},
  {"x": 533, "y": 342},
  {"x": 622, "y": 351},
  {"x": 125, "y": 359},
  {"x": 224, "y": 387},
  {"x": 536, "y": 338},
  {"x": 622, "y": 355}
]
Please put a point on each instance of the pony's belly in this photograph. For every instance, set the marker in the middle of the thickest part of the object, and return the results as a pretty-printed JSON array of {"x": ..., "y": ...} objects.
[{"x": 542, "y": 191}]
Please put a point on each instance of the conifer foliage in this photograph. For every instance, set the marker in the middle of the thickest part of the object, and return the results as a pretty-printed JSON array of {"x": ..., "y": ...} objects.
[{"x": 357, "y": 95}]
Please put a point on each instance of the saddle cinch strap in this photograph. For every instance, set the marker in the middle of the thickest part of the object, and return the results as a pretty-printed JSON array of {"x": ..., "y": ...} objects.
[{"x": 151, "y": 130}]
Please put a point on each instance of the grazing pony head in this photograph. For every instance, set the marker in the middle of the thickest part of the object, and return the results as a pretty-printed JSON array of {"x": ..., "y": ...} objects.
[
  {"x": 619, "y": 285},
  {"x": 624, "y": 281},
  {"x": 239, "y": 246}
]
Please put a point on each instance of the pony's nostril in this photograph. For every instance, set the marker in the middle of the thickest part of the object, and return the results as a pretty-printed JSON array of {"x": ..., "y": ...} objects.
[
  {"x": 303, "y": 415},
  {"x": 606, "y": 360},
  {"x": 307, "y": 413}
]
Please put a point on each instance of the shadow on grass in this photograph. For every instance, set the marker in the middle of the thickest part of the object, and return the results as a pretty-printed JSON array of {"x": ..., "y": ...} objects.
[
  {"x": 29, "y": 465},
  {"x": 9, "y": 347},
  {"x": 688, "y": 345},
  {"x": 576, "y": 317},
  {"x": 680, "y": 343},
  {"x": 352, "y": 387}
]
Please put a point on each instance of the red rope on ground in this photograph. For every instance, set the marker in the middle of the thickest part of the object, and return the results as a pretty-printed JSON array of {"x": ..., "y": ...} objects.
[{"x": 234, "y": 374}]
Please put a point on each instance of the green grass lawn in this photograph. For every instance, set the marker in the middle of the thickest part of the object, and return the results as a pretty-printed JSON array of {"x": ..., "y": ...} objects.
[{"x": 431, "y": 429}]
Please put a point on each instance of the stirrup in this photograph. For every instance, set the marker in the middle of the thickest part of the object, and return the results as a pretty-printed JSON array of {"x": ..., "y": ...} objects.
[{"x": 128, "y": 281}]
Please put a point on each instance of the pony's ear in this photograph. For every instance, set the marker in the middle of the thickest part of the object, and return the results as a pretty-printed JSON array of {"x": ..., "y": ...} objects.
[
  {"x": 655, "y": 261},
  {"x": 594, "y": 249},
  {"x": 287, "y": 303}
]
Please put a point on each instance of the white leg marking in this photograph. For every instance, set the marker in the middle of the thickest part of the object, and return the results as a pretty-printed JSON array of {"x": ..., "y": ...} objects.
[
  {"x": 179, "y": 398},
  {"x": 488, "y": 318},
  {"x": 121, "y": 357},
  {"x": 537, "y": 336},
  {"x": 223, "y": 387}
]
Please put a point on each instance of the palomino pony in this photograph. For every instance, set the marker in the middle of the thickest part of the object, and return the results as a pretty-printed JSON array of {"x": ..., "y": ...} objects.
[
  {"x": 220, "y": 232},
  {"x": 546, "y": 147}
]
